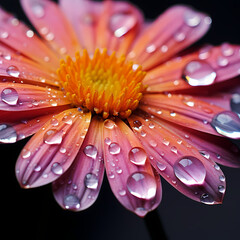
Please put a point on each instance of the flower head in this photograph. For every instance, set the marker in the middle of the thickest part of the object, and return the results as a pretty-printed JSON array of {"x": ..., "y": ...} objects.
[{"x": 102, "y": 90}]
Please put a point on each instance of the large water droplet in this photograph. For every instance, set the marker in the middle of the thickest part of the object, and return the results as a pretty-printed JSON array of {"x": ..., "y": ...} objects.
[
  {"x": 121, "y": 23},
  {"x": 13, "y": 71},
  {"x": 90, "y": 151},
  {"x": 7, "y": 134},
  {"x": 114, "y": 148},
  {"x": 71, "y": 202},
  {"x": 189, "y": 170},
  {"x": 227, "y": 124},
  {"x": 137, "y": 156},
  {"x": 235, "y": 103},
  {"x": 52, "y": 136},
  {"x": 192, "y": 18},
  {"x": 57, "y": 168},
  {"x": 91, "y": 181},
  {"x": 9, "y": 96},
  {"x": 142, "y": 185},
  {"x": 199, "y": 73}
]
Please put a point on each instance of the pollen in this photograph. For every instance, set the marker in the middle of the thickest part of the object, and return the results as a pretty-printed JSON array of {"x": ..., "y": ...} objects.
[{"x": 104, "y": 84}]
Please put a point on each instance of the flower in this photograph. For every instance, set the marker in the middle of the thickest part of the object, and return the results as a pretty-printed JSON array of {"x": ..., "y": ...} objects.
[{"x": 101, "y": 89}]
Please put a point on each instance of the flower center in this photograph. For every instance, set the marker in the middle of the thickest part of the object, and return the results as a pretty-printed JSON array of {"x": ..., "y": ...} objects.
[{"x": 103, "y": 84}]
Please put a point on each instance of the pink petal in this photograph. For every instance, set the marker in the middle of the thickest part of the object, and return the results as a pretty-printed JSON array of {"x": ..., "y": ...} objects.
[
  {"x": 19, "y": 37},
  {"x": 129, "y": 172},
  {"x": 52, "y": 25},
  {"x": 173, "y": 31},
  {"x": 52, "y": 150},
  {"x": 179, "y": 162},
  {"x": 79, "y": 187}
]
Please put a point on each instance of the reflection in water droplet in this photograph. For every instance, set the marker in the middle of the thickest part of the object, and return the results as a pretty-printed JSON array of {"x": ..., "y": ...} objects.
[
  {"x": 235, "y": 103},
  {"x": 57, "y": 169},
  {"x": 142, "y": 185},
  {"x": 207, "y": 199},
  {"x": 90, "y": 151},
  {"x": 114, "y": 148},
  {"x": 137, "y": 156},
  {"x": 192, "y": 18},
  {"x": 7, "y": 134},
  {"x": 199, "y": 73},
  {"x": 9, "y": 96},
  {"x": 13, "y": 71},
  {"x": 52, "y": 136},
  {"x": 227, "y": 124},
  {"x": 91, "y": 181},
  {"x": 71, "y": 202},
  {"x": 189, "y": 170}
]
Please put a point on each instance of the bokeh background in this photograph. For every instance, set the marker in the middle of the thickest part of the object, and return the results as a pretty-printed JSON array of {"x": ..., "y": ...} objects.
[{"x": 34, "y": 214}]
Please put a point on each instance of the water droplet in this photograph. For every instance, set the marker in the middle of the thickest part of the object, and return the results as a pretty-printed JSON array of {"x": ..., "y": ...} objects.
[
  {"x": 227, "y": 50},
  {"x": 62, "y": 150},
  {"x": 67, "y": 119},
  {"x": 189, "y": 170},
  {"x": 71, "y": 202},
  {"x": 25, "y": 153},
  {"x": 37, "y": 168},
  {"x": 222, "y": 61},
  {"x": 174, "y": 149},
  {"x": 151, "y": 48},
  {"x": 52, "y": 136},
  {"x": 107, "y": 140},
  {"x": 9, "y": 96},
  {"x": 13, "y": 71},
  {"x": 57, "y": 169},
  {"x": 165, "y": 142},
  {"x": 227, "y": 124},
  {"x": 7, "y": 134},
  {"x": 161, "y": 166},
  {"x": 192, "y": 18},
  {"x": 142, "y": 185},
  {"x": 4, "y": 34},
  {"x": 153, "y": 143},
  {"x": 199, "y": 73},
  {"x": 121, "y": 23},
  {"x": 54, "y": 122},
  {"x": 91, "y": 181},
  {"x": 53, "y": 102},
  {"x": 207, "y": 199},
  {"x": 29, "y": 33},
  {"x": 189, "y": 103},
  {"x": 221, "y": 189},
  {"x": 114, "y": 148},
  {"x": 179, "y": 36},
  {"x": 222, "y": 178},
  {"x": 204, "y": 154},
  {"x": 204, "y": 52},
  {"x": 109, "y": 124},
  {"x": 216, "y": 167},
  {"x": 38, "y": 9},
  {"x": 137, "y": 156},
  {"x": 90, "y": 151},
  {"x": 137, "y": 125},
  {"x": 122, "y": 192},
  {"x": 235, "y": 103}
]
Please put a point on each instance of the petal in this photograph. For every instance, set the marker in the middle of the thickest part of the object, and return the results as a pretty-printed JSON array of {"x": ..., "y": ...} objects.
[
  {"x": 52, "y": 150},
  {"x": 179, "y": 162},
  {"x": 52, "y": 25},
  {"x": 79, "y": 187},
  {"x": 129, "y": 172},
  {"x": 19, "y": 37},
  {"x": 173, "y": 31}
]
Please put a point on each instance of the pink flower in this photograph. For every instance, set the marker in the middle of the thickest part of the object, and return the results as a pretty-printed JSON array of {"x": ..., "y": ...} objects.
[{"x": 102, "y": 89}]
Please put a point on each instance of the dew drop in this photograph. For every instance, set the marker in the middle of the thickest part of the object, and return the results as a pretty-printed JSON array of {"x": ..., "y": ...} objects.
[
  {"x": 54, "y": 122},
  {"x": 207, "y": 199},
  {"x": 221, "y": 189},
  {"x": 13, "y": 71},
  {"x": 7, "y": 134},
  {"x": 90, "y": 151},
  {"x": 52, "y": 136},
  {"x": 137, "y": 156},
  {"x": 67, "y": 119},
  {"x": 199, "y": 73},
  {"x": 114, "y": 148},
  {"x": 91, "y": 181},
  {"x": 235, "y": 103},
  {"x": 122, "y": 192},
  {"x": 57, "y": 169},
  {"x": 227, "y": 50},
  {"x": 107, "y": 140},
  {"x": 38, "y": 10},
  {"x": 179, "y": 36},
  {"x": 204, "y": 154},
  {"x": 62, "y": 150},
  {"x": 137, "y": 125},
  {"x": 71, "y": 202},
  {"x": 222, "y": 178},
  {"x": 9, "y": 96},
  {"x": 151, "y": 48},
  {"x": 227, "y": 124},
  {"x": 37, "y": 168},
  {"x": 29, "y": 33},
  {"x": 4, "y": 34},
  {"x": 109, "y": 124},
  {"x": 161, "y": 166},
  {"x": 222, "y": 61},
  {"x": 142, "y": 185},
  {"x": 25, "y": 153},
  {"x": 189, "y": 170},
  {"x": 192, "y": 18}
]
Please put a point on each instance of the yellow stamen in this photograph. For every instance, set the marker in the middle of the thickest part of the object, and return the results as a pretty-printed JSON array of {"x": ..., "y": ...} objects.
[{"x": 104, "y": 84}]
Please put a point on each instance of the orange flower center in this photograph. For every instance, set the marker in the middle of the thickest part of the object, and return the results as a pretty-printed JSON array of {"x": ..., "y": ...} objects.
[{"x": 103, "y": 84}]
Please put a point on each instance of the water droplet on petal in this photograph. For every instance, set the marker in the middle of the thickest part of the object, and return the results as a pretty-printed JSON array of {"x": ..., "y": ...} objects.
[
  {"x": 121, "y": 23},
  {"x": 207, "y": 199},
  {"x": 221, "y": 189},
  {"x": 114, "y": 148},
  {"x": 13, "y": 71},
  {"x": 91, "y": 181},
  {"x": 137, "y": 156},
  {"x": 71, "y": 202},
  {"x": 57, "y": 169},
  {"x": 90, "y": 151},
  {"x": 179, "y": 36},
  {"x": 227, "y": 50},
  {"x": 222, "y": 61},
  {"x": 235, "y": 103},
  {"x": 4, "y": 34},
  {"x": 67, "y": 119},
  {"x": 37, "y": 168},
  {"x": 7, "y": 134},
  {"x": 137, "y": 125},
  {"x": 227, "y": 124},
  {"x": 29, "y": 33},
  {"x": 192, "y": 18},
  {"x": 38, "y": 9},
  {"x": 222, "y": 178},
  {"x": 199, "y": 73},
  {"x": 142, "y": 185},
  {"x": 9, "y": 96},
  {"x": 109, "y": 124},
  {"x": 122, "y": 192},
  {"x": 204, "y": 154},
  {"x": 54, "y": 122},
  {"x": 189, "y": 170},
  {"x": 52, "y": 136},
  {"x": 25, "y": 153},
  {"x": 161, "y": 166}
]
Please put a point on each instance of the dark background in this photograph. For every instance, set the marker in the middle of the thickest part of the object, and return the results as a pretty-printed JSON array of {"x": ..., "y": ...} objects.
[{"x": 34, "y": 214}]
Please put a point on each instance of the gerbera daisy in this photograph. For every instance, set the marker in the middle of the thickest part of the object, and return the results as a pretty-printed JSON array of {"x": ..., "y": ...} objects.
[{"x": 102, "y": 89}]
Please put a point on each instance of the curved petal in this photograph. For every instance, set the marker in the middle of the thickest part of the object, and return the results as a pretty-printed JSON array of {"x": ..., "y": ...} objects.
[
  {"x": 179, "y": 162},
  {"x": 173, "y": 31},
  {"x": 52, "y": 25},
  {"x": 129, "y": 172},
  {"x": 52, "y": 150},
  {"x": 79, "y": 187}
]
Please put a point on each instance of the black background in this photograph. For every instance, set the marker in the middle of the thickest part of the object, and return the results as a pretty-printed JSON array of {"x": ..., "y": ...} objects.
[{"x": 34, "y": 214}]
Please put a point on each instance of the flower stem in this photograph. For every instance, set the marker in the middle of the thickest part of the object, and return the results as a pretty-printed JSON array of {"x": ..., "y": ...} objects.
[{"x": 154, "y": 226}]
